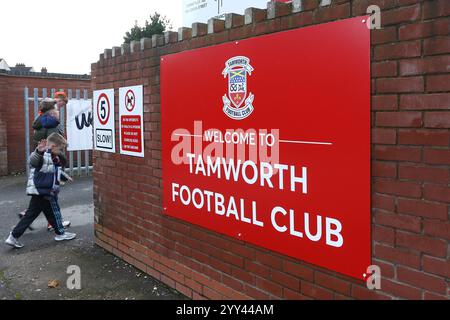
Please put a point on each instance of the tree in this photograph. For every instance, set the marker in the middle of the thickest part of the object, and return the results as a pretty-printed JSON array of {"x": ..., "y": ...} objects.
[{"x": 157, "y": 25}]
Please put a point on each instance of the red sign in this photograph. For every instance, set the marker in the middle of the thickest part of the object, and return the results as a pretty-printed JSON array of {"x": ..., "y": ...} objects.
[
  {"x": 131, "y": 127},
  {"x": 103, "y": 109},
  {"x": 267, "y": 140}
]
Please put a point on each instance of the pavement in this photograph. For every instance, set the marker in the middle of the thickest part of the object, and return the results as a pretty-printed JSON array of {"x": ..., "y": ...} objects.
[{"x": 26, "y": 273}]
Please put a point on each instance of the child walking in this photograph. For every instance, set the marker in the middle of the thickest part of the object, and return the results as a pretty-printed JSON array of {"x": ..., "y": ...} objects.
[
  {"x": 45, "y": 124},
  {"x": 43, "y": 187}
]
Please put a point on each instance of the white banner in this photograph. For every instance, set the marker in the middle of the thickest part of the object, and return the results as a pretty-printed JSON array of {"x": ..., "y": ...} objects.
[
  {"x": 79, "y": 123},
  {"x": 203, "y": 10}
]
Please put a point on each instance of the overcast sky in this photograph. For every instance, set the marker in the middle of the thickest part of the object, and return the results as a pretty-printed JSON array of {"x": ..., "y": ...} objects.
[{"x": 67, "y": 36}]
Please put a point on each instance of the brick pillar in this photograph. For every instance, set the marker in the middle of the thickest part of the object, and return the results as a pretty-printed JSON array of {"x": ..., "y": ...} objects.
[{"x": 3, "y": 149}]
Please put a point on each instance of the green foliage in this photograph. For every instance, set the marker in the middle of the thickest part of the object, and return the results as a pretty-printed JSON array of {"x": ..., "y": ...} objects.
[{"x": 156, "y": 25}]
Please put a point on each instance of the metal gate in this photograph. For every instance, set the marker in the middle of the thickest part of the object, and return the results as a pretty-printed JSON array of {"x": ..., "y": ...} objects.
[{"x": 76, "y": 165}]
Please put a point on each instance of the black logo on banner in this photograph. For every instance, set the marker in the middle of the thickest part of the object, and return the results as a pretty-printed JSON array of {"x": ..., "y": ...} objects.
[{"x": 84, "y": 122}]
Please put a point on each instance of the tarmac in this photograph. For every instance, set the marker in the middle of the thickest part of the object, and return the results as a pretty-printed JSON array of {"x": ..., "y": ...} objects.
[{"x": 25, "y": 273}]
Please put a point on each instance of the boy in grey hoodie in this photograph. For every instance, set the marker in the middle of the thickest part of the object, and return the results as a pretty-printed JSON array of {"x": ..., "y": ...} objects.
[{"x": 43, "y": 187}]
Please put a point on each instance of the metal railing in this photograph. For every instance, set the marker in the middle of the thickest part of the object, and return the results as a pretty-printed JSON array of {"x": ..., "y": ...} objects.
[{"x": 75, "y": 164}]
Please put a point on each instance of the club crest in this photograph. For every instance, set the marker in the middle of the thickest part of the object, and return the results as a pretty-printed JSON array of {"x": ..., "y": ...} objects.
[{"x": 238, "y": 105}]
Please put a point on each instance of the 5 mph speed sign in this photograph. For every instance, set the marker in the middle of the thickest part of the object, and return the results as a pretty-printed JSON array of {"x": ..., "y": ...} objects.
[{"x": 104, "y": 133}]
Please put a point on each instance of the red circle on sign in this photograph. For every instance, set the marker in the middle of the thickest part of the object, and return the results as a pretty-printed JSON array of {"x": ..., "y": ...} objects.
[
  {"x": 103, "y": 120},
  {"x": 130, "y": 100}
]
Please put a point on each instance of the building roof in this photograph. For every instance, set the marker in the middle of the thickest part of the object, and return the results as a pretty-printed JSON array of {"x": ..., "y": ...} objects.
[
  {"x": 23, "y": 71},
  {"x": 20, "y": 67},
  {"x": 4, "y": 65}
]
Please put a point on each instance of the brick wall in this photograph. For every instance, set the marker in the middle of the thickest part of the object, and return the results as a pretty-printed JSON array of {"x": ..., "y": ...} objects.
[
  {"x": 13, "y": 112},
  {"x": 410, "y": 161},
  {"x": 3, "y": 149}
]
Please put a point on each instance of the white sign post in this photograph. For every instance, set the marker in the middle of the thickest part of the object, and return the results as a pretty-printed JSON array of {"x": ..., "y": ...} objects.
[
  {"x": 203, "y": 10},
  {"x": 79, "y": 125},
  {"x": 104, "y": 120},
  {"x": 131, "y": 122}
]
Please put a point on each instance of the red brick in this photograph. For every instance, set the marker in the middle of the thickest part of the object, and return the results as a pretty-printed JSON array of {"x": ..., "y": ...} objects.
[
  {"x": 414, "y": 31},
  {"x": 331, "y": 282},
  {"x": 397, "y": 153},
  {"x": 439, "y": 267},
  {"x": 422, "y": 208},
  {"x": 384, "y": 69},
  {"x": 432, "y": 296},
  {"x": 297, "y": 20},
  {"x": 256, "y": 293},
  {"x": 269, "y": 287},
  {"x": 436, "y": 83},
  {"x": 359, "y": 7},
  {"x": 402, "y": 14},
  {"x": 384, "y": 102},
  {"x": 399, "y": 188},
  {"x": 401, "y": 290},
  {"x": 437, "y": 193},
  {"x": 381, "y": 201},
  {"x": 384, "y": 169},
  {"x": 383, "y": 235},
  {"x": 285, "y": 280},
  {"x": 292, "y": 295},
  {"x": 399, "y": 119},
  {"x": 397, "y": 255},
  {"x": 436, "y": 156},
  {"x": 422, "y": 280},
  {"x": 436, "y": 8},
  {"x": 423, "y": 137},
  {"x": 421, "y": 243},
  {"x": 436, "y": 46},
  {"x": 421, "y": 173},
  {"x": 195, "y": 286},
  {"x": 437, "y": 120},
  {"x": 384, "y": 136},
  {"x": 384, "y": 35},
  {"x": 211, "y": 294},
  {"x": 298, "y": 270},
  {"x": 329, "y": 13},
  {"x": 437, "y": 228},
  {"x": 363, "y": 293},
  {"x": 425, "y": 101},
  {"x": 398, "y": 50},
  {"x": 232, "y": 283},
  {"x": 257, "y": 269},
  {"x": 433, "y": 64},
  {"x": 184, "y": 290},
  {"x": 387, "y": 269},
  {"x": 269, "y": 260},
  {"x": 397, "y": 85},
  {"x": 397, "y": 221},
  {"x": 316, "y": 292}
]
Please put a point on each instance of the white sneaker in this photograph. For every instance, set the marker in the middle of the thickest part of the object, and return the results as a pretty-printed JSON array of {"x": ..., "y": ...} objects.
[
  {"x": 66, "y": 224},
  {"x": 65, "y": 237},
  {"x": 13, "y": 242}
]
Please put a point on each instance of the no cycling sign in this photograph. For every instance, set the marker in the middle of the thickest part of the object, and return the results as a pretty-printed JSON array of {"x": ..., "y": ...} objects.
[{"x": 104, "y": 120}]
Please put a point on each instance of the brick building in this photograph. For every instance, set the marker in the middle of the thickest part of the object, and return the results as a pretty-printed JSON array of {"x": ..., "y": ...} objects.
[
  {"x": 13, "y": 80},
  {"x": 410, "y": 58}
]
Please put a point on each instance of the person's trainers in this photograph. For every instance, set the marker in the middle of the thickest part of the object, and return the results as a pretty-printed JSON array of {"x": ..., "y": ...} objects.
[
  {"x": 66, "y": 224},
  {"x": 13, "y": 242},
  {"x": 65, "y": 237}
]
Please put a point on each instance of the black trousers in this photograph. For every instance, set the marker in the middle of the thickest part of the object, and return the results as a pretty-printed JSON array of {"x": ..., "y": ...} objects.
[{"x": 37, "y": 205}]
